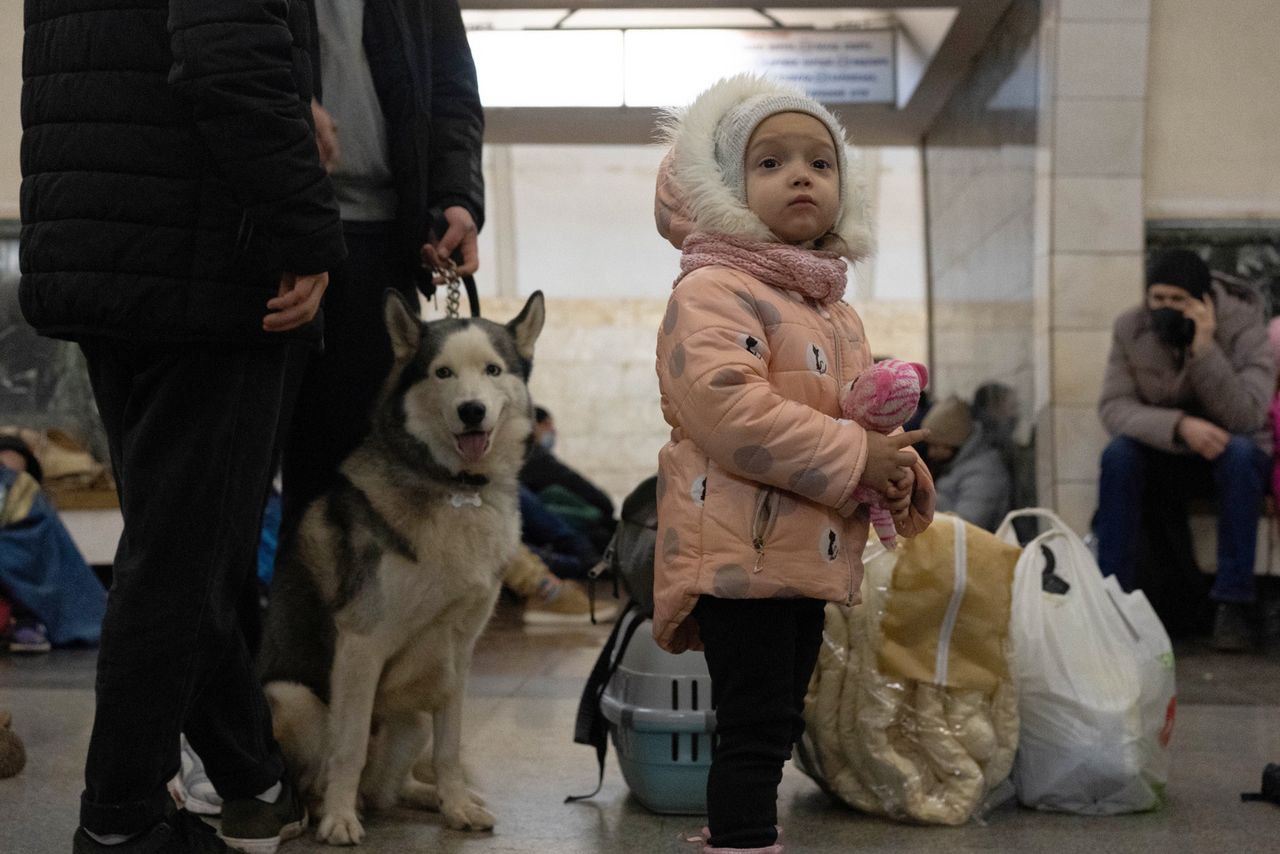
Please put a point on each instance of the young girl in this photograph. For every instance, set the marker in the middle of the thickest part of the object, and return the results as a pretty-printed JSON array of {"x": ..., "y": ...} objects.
[{"x": 756, "y": 524}]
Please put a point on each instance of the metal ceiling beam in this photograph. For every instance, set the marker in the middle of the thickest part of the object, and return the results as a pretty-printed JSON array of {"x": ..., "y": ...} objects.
[{"x": 869, "y": 124}]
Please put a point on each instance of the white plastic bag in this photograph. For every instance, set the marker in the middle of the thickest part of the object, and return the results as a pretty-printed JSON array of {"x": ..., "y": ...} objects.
[{"x": 1094, "y": 671}]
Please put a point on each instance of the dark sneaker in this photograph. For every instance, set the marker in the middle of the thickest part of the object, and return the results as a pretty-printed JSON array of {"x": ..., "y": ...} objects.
[
  {"x": 257, "y": 827},
  {"x": 180, "y": 833},
  {"x": 1232, "y": 628}
]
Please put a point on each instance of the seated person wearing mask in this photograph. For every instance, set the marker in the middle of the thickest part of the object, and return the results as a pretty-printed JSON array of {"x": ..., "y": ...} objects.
[
  {"x": 1185, "y": 399},
  {"x": 564, "y": 491}
]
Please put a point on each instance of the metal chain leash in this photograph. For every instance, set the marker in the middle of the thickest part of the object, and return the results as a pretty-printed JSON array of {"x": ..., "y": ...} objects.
[{"x": 453, "y": 281}]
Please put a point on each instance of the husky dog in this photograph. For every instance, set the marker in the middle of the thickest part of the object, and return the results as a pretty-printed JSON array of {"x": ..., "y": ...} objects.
[{"x": 392, "y": 574}]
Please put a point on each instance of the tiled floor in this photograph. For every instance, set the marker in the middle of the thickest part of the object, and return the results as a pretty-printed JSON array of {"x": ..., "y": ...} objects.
[{"x": 519, "y": 742}]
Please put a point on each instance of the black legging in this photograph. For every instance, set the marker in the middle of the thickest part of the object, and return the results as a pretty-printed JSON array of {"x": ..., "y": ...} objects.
[{"x": 761, "y": 653}]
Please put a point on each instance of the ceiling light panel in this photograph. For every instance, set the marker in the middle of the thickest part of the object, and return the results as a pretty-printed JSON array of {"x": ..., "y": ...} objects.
[
  {"x": 604, "y": 19},
  {"x": 832, "y": 18},
  {"x": 512, "y": 19}
]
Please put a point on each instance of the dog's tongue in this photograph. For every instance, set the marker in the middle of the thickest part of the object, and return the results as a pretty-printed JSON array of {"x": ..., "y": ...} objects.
[{"x": 472, "y": 445}]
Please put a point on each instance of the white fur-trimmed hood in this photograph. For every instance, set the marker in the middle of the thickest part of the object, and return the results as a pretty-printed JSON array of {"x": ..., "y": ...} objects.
[{"x": 692, "y": 194}]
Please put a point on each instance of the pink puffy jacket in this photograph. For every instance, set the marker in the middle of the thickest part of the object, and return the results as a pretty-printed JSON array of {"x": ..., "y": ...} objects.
[{"x": 755, "y": 486}]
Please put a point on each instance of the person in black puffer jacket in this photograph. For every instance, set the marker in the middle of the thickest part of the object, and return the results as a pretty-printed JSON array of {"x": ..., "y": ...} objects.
[{"x": 177, "y": 224}]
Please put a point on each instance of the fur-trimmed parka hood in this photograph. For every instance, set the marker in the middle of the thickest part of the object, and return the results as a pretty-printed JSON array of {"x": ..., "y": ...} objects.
[{"x": 692, "y": 194}]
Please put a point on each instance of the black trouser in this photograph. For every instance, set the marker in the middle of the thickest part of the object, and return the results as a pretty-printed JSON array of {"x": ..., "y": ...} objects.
[
  {"x": 761, "y": 653},
  {"x": 341, "y": 383},
  {"x": 191, "y": 430}
]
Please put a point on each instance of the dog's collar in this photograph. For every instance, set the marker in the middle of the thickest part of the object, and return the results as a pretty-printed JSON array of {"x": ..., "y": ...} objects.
[{"x": 467, "y": 497}]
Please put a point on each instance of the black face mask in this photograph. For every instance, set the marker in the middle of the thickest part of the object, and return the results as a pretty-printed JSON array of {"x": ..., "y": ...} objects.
[{"x": 1172, "y": 327}]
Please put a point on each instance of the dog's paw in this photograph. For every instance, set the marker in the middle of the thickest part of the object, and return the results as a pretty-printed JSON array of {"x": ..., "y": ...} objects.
[
  {"x": 466, "y": 814},
  {"x": 420, "y": 796},
  {"x": 340, "y": 828}
]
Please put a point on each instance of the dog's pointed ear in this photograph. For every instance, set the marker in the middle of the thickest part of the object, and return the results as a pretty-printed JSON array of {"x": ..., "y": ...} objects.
[
  {"x": 402, "y": 324},
  {"x": 527, "y": 325}
]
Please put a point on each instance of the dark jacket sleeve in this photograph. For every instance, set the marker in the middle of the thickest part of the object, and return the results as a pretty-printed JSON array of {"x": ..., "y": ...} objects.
[
  {"x": 544, "y": 469},
  {"x": 542, "y": 529},
  {"x": 234, "y": 62},
  {"x": 457, "y": 120}
]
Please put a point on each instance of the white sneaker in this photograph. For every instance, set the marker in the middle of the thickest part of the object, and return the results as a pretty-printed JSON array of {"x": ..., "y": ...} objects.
[{"x": 200, "y": 795}]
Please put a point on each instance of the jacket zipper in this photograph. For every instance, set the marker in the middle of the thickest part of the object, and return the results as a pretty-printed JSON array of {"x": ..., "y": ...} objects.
[
  {"x": 848, "y": 600},
  {"x": 835, "y": 340},
  {"x": 762, "y": 524}
]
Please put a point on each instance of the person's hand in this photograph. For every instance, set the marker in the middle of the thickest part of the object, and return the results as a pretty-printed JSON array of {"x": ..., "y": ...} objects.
[
  {"x": 326, "y": 136},
  {"x": 898, "y": 495},
  {"x": 1204, "y": 437},
  {"x": 462, "y": 233},
  {"x": 1201, "y": 313},
  {"x": 296, "y": 302},
  {"x": 889, "y": 459}
]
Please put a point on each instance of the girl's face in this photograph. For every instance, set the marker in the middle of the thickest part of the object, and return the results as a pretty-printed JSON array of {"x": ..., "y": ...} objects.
[{"x": 793, "y": 184}]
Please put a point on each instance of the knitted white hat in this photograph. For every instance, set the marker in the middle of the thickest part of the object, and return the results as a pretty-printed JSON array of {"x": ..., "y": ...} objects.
[
  {"x": 735, "y": 129},
  {"x": 708, "y": 142}
]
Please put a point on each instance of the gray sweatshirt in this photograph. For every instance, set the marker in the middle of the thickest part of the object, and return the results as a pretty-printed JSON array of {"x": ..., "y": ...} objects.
[{"x": 362, "y": 179}]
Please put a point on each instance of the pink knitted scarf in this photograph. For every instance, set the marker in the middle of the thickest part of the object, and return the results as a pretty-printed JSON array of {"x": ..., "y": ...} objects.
[{"x": 815, "y": 273}]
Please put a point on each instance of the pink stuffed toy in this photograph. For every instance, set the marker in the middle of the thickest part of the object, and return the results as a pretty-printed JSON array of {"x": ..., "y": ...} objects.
[{"x": 882, "y": 398}]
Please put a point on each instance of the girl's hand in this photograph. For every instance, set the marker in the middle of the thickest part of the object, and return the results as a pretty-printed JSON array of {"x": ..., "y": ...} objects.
[
  {"x": 889, "y": 460},
  {"x": 898, "y": 496}
]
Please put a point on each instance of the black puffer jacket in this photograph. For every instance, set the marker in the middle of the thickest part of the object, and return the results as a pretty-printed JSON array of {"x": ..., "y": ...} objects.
[
  {"x": 426, "y": 82},
  {"x": 169, "y": 167}
]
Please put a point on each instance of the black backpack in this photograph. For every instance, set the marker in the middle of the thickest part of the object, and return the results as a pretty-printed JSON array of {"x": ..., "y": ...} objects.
[{"x": 629, "y": 557}]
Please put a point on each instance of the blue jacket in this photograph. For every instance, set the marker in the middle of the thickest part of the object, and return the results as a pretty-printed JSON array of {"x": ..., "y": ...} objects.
[{"x": 41, "y": 569}]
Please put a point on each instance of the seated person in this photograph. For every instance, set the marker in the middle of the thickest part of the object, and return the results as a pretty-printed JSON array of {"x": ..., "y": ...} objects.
[
  {"x": 571, "y": 496},
  {"x": 1188, "y": 383},
  {"x": 553, "y": 556},
  {"x": 567, "y": 552},
  {"x": 1273, "y": 337},
  {"x": 995, "y": 409},
  {"x": 55, "y": 597},
  {"x": 970, "y": 475}
]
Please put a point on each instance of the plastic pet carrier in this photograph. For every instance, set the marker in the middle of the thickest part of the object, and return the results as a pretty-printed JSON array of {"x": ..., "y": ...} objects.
[{"x": 658, "y": 708}]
